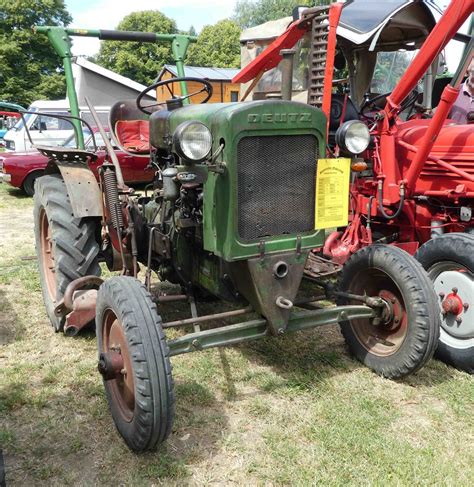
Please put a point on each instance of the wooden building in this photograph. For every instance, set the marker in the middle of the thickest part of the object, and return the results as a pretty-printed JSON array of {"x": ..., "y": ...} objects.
[{"x": 220, "y": 78}]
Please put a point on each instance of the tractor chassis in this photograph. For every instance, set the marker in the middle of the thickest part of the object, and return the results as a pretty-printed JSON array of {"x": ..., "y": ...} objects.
[{"x": 78, "y": 305}]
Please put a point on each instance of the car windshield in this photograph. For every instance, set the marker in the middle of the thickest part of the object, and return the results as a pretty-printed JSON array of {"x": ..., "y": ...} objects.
[
  {"x": 21, "y": 121},
  {"x": 71, "y": 140}
]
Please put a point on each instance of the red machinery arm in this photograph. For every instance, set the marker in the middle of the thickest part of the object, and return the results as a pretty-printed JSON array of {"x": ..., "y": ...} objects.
[{"x": 455, "y": 15}]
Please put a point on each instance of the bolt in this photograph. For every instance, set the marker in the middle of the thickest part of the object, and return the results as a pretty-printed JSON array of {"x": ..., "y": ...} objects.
[
  {"x": 396, "y": 320},
  {"x": 123, "y": 371},
  {"x": 343, "y": 315},
  {"x": 455, "y": 290},
  {"x": 458, "y": 320},
  {"x": 442, "y": 295},
  {"x": 465, "y": 306},
  {"x": 393, "y": 300}
]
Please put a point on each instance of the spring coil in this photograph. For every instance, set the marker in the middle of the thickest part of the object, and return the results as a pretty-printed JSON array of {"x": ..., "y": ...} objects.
[{"x": 112, "y": 198}]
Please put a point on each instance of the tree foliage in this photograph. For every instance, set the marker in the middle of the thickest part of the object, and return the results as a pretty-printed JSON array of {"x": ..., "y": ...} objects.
[
  {"x": 29, "y": 67},
  {"x": 140, "y": 62},
  {"x": 248, "y": 13},
  {"x": 217, "y": 46}
]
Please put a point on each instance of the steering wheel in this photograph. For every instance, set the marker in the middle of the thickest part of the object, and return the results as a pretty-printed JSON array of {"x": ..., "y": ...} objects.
[
  {"x": 409, "y": 100},
  {"x": 207, "y": 87}
]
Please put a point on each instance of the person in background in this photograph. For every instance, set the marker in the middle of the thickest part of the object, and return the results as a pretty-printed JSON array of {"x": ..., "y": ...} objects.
[{"x": 464, "y": 103}]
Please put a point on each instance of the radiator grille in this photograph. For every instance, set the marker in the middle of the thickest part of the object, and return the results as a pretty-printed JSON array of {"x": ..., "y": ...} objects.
[{"x": 276, "y": 181}]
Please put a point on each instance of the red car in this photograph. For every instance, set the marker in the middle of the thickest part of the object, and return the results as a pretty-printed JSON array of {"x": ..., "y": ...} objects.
[{"x": 20, "y": 169}]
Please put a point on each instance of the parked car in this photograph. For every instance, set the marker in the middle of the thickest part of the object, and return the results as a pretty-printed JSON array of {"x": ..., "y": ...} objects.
[
  {"x": 44, "y": 129},
  {"x": 21, "y": 169}
]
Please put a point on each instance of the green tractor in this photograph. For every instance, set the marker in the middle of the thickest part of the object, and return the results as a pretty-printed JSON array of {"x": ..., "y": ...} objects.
[{"x": 238, "y": 188}]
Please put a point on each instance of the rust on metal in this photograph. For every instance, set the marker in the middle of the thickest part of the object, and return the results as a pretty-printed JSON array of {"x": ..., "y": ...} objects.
[
  {"x": 83, "y": 189},
  {"x": 317, "y": 266},
  {"x": 201, "y": 319},
  {"x": 83, "y": 311},
  {"x": 66, "y": 305}
]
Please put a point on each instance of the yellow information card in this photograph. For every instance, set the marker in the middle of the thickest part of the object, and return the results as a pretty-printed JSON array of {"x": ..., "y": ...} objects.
[{"x": 332, "y": 193}]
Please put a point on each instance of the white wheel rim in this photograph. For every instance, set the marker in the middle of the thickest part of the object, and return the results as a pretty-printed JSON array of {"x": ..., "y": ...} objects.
[{"x": 447, "y": 276}]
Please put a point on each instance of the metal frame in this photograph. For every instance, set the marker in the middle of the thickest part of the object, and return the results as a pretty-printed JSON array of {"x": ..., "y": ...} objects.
[
  {"x": 60, "y": 39},
  {"x": 258, "y": 328}
]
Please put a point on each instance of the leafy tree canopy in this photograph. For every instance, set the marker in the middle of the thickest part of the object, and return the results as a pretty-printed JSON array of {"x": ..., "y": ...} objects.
[
  {"x": 29, "y": 67},
  {"x": 248, "y": 13},
  {"x": 217, "y": 46},
  {"x": 140, "y": 62}
]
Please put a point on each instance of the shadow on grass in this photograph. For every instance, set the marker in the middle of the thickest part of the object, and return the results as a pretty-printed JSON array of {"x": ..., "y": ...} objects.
[{"x": 10, "y": 328}]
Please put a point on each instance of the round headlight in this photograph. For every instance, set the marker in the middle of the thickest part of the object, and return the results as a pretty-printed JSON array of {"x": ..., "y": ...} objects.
[
  {"x": 353, "y": 136},
  {"x": 192, "y": 141}
]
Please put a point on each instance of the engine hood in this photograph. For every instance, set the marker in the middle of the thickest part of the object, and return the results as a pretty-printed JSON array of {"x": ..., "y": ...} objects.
[{"x": 454, "y": 145}]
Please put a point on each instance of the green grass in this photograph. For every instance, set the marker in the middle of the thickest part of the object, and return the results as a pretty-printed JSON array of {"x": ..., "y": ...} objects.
[{"x": 296, "y": 410}]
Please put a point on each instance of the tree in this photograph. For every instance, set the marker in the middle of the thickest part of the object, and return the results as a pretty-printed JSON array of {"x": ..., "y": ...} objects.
[
  {"x": 248, "y": 13},
  {"x": 29, "y": 67},
  {"x": 139, "y": 61},
  {"x": 217, "y": 46}
]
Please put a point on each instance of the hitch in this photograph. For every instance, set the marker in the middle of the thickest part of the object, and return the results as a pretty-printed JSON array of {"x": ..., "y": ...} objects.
[{"x": 78, "y": 304}]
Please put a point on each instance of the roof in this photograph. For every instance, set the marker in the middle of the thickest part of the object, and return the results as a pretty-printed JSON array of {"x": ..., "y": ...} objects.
[
  {"x": 268, "y": 30},
  {"x": 95, "y": 68},
  {"x": 212, "y": 74}
]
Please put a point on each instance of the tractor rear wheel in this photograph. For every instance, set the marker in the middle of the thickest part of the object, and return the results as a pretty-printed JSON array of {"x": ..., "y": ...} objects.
[
  {"x": 134, "y": 362},
  {"x": 66, "y": 246},
  {"x": 449, "y": 260},
  {"x": 407, "y": 336}
]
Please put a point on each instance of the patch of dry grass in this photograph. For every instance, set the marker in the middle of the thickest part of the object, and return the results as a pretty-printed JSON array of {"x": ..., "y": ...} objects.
[{"x": 293, "y": 410}]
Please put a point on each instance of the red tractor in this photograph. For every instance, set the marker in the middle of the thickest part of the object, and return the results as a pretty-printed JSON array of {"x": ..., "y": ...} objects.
[{"x": 412, "y": 181}]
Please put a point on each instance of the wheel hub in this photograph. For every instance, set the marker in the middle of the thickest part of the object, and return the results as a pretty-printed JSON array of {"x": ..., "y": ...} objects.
[
  {"x": 455, "y": 289},
  {"x": 110, "y": 364}
]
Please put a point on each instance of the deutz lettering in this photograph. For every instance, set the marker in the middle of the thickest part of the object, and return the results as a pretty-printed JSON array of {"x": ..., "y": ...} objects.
[{"x": 278, "y": 117}]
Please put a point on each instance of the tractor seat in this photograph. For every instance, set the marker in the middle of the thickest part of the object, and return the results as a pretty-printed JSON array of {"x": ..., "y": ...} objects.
[{"x": 133, "y": 135}]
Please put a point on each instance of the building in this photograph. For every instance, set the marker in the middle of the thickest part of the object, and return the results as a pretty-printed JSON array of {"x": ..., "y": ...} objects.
[
  {"x": 220, "y": 78},
  {"x": 102, "y": 86}
]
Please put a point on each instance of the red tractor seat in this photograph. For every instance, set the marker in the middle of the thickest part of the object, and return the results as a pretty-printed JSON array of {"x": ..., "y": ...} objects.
[{"x": 133, "y": 135}]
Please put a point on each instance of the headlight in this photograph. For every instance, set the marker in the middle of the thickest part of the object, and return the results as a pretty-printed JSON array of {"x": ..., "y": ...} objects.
[
  {"x": 192, "y": 141},
  {"x": 353, "y": 136}
]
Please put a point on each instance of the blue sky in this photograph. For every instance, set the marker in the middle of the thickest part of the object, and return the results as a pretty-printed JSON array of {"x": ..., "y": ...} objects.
[{"x": 106, "y": 14}]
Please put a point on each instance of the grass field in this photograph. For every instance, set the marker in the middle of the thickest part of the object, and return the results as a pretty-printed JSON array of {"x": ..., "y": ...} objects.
[{"x": 295, "y": 410}]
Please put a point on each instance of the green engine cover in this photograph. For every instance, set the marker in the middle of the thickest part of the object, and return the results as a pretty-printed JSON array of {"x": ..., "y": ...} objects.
[{"x": 264, "y": 200}]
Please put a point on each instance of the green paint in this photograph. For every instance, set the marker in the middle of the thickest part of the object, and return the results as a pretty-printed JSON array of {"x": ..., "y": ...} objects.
[
  {"x": 61, "y": 41},
  {"x": 253, "y": 329},
  {"x": 230, "y": 122}
]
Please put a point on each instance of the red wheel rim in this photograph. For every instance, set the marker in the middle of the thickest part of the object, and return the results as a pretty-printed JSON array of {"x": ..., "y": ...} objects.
[
  {"x": 386, "y": 338},
  {"x": 47, "y": 257},
  {"x": 122, "y": 387}
]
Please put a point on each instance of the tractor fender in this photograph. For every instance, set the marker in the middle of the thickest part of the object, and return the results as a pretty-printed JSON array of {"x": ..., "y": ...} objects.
[{"x": 82, "y": 187}]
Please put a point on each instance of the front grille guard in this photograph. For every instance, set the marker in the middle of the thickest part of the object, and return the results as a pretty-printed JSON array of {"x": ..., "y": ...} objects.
[{"x": 274, "y": 196}]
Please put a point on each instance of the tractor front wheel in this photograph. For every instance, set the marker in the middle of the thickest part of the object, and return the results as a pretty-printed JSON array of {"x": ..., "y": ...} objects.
[
  {"x": 449, "y": 260},
  {"x": 406, "y": 337},
  {"x": 134, "y": 363}
]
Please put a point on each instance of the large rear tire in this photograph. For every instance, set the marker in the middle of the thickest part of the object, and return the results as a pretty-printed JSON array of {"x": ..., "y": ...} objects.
[
  {"x": 134, "y": 362},
  {"x": 66, "y": 246},
  {"x": 449, "y": 260},
  {"x": 407, "y": 339}
]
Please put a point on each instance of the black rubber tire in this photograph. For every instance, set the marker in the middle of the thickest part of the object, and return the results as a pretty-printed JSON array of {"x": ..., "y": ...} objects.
[
  {"x": 154, "y": 396},
  {"x": 28, "y": 185},
  {"x": 457, "y": 248},
  {"x": 74, "y": 246},
  {"x": 412, "y": 283}
]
